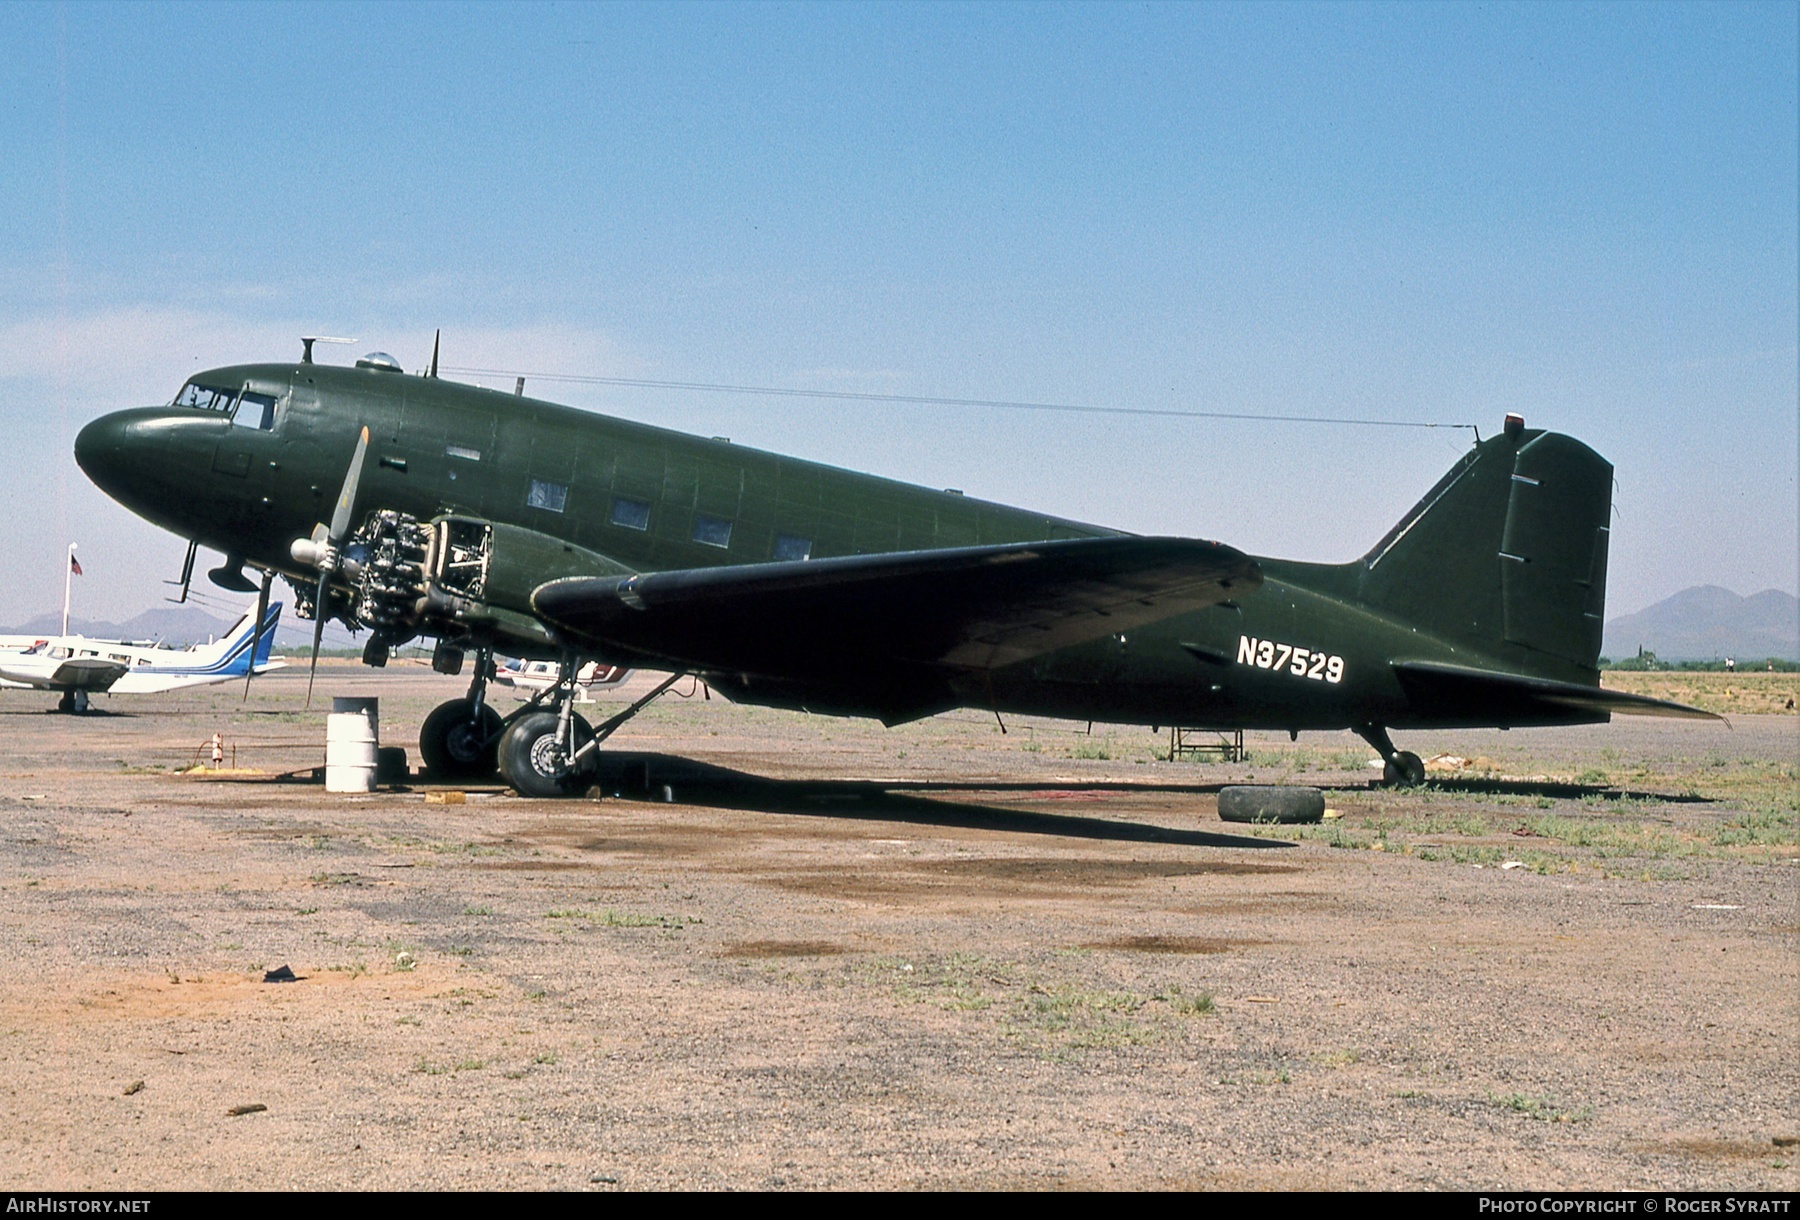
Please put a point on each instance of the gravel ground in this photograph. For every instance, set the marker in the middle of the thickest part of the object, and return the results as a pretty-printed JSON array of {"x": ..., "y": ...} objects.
[{"x": 844, "y": 956}]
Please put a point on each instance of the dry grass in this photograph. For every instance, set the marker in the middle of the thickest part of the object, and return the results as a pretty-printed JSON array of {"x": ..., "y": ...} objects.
[{"x": 1739, "y": 694}]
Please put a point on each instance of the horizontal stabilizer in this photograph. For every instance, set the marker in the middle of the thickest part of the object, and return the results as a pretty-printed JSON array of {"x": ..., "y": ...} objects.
[
  {"x": 959, "y": 609},
  {"x": 1454, "y": 692}
]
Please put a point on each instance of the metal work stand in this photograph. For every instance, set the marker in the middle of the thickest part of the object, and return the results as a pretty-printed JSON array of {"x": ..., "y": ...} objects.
[{"x": 1187, "y": 742}]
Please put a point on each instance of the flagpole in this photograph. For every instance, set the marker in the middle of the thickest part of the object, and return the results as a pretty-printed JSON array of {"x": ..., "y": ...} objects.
[{"x": 68, "y": 580}]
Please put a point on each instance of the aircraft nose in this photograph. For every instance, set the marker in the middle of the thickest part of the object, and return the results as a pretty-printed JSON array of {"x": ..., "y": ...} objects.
[
  {"x": 144, "y": 457},
  {"x": 100, "y": 449}
]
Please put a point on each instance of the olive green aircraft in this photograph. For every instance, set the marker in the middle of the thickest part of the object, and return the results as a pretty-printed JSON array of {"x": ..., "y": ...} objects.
[{"x": 410, "y": 506}]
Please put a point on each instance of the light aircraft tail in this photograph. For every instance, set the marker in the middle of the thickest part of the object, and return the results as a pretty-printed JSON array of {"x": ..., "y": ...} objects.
[
  {"x": 1507, "y": 554},
  {"x": 230, "y": 655}
]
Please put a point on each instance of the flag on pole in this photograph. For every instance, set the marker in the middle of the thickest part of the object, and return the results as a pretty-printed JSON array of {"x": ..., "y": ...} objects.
[{"x": 74, "y": 566}]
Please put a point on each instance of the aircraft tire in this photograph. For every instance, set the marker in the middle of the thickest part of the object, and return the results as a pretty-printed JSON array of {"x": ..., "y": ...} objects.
[
  {"x": 529, "y": 762},
  {"x": 1282, "y": 803},
  {"x": 454, "y": 745},
  {"x": 1405, "y": 771}
]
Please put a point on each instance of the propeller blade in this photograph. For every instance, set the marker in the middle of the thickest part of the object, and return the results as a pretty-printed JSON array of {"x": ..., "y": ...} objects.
[
  {"x": 262, "y": 610},
  {"x": 318, "y": 627},
  {"x": 334, "y": 536},
  {"x": 346, "y": 502}
]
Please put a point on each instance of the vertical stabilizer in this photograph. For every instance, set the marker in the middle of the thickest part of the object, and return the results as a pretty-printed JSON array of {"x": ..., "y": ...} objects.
[{"x": 1507, "y": 554}]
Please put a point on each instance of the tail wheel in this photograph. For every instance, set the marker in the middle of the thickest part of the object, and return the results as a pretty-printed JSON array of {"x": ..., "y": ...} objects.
[
  {"x": 535, "y": 762},
  {"x": 457, "y": 743},
  {"x": 1404, "y": 770}
]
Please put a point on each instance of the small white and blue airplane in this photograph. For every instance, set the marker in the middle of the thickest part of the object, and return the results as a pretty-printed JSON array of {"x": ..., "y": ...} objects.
[
  {"x": 80, "y": 667},
  {"x": 542, "y": 675}
]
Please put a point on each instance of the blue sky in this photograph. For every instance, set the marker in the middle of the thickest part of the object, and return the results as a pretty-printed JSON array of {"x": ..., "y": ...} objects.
[{"x": 1586, "y": 214}]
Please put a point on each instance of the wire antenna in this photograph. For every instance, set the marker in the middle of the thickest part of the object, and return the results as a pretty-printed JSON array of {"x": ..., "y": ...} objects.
[{"x": 645, "y": 383}]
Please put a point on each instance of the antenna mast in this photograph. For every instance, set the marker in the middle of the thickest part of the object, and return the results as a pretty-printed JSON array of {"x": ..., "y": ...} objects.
[
  {"x": 68, "y": 581},
  {"x": 306, "y": 342}
]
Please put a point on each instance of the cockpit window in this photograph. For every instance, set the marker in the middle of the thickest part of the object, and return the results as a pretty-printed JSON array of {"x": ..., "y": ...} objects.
[
  {"x": 247, "y": 410},
  {"x": 255, "y": 411},
  {"x": 206, "y": 397}
]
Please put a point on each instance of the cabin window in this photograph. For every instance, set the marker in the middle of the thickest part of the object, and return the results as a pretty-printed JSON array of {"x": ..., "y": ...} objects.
[
  {"x": 205, "y": 397},
  {"x": 255, "y": 411},
  {"x": 548, "y": 496},
  {"x": 713, "y": 531},
  {"x": 792, "y": 547},
  {"x": 632, "y": 514},
  {"x": 462, "y": 451}
]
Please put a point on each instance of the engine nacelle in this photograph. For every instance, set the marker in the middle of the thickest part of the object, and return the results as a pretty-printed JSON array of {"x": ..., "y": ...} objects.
[
  {"x": 482, "y": 574},
  {"x": 454, "y": 577}
]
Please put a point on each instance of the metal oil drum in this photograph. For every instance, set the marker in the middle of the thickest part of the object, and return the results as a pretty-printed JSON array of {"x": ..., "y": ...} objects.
[{"x": 352, "y": 745}]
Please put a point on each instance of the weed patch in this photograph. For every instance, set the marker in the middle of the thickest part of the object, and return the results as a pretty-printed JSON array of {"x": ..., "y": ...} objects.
[{"x": 1541, "y": 1109}]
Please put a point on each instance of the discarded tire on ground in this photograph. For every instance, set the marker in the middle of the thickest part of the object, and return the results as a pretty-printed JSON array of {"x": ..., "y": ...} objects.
[{"x": 1270, "y": 803}]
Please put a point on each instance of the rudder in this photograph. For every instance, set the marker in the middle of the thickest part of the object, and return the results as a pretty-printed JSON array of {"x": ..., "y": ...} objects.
[{"x": 1553, "y": 553}]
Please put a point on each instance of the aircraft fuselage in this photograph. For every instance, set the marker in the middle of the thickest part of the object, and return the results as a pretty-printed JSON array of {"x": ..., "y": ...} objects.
[{"x": 1305, "y": 650}]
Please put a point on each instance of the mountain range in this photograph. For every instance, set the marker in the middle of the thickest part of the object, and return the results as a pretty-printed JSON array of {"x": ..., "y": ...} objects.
[
  {"x": 177, "y": 626},
  {"x": 1698, "y": 624},
  {"x": 1707, "y": 623}
]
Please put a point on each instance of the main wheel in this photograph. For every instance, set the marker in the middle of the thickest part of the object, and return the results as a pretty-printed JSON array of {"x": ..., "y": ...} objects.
[
  {"x": 533, "y": 760},
  {"x": 1405, "y": 771},
  {"x": 457, "y": 744}
]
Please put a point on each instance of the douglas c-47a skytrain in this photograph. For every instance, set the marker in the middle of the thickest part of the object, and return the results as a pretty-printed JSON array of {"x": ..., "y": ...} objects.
[{"x": 409, "y": 506}]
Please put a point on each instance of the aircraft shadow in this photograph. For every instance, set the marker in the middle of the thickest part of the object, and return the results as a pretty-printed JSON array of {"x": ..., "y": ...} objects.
[
  {"x": 692, "y": 782},
  {"x": 1490, "y": 787},
  {"x": 1567, "y": 791}
]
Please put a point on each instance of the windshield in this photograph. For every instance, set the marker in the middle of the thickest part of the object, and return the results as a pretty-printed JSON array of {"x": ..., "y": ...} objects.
[
  {"x": 206, "y": 397},
  {"x": 247, "y": 410}
]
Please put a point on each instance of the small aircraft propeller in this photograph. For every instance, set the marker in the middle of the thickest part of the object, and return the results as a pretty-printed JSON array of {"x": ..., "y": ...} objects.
[
  {"x": 262, "y": 611},
  {"x": 321, "y": 550}
]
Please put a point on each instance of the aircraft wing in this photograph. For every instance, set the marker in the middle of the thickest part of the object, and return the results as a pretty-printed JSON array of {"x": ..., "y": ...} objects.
[
  {"x": 1451, "y": 689},
  {"x": 72, "y": 673},
  {"x": 964, "y": 609}
]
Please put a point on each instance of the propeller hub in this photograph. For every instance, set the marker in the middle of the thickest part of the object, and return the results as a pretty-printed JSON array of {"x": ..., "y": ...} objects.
[{"x": 308, "y": 552}]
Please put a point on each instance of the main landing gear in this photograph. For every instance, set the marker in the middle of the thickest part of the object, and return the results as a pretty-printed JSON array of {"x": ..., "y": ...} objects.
[
  {"x": 545, "y": 753},
  {"x": 1400, "y": 769},
  {"x": 461, "y": 738},
  {"x": 73, "y": 701},
  {"x": 544, "y": 749}
]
